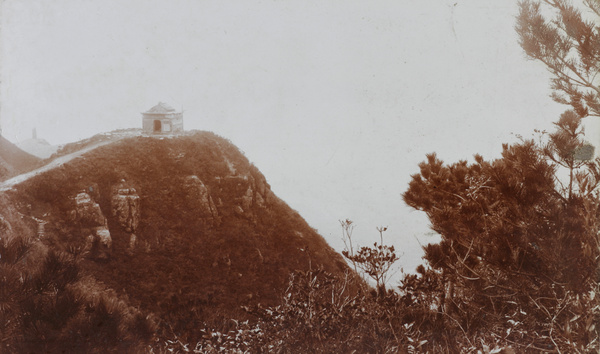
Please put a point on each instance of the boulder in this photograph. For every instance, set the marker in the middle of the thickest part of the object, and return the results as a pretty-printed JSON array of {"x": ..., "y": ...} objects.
[{"x": 103, "y": 236}]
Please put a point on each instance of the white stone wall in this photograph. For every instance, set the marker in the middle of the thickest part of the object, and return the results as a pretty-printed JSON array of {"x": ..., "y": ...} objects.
[{"x": 172, "y": 122}]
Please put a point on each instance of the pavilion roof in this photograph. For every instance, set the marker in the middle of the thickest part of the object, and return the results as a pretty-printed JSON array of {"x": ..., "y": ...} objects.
[{"x": 161, "y": 108}]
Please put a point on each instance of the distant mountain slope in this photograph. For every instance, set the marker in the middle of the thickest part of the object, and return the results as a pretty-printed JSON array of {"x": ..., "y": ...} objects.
[
  {"x": 37, "y": 147},
  {"x": 181, "y": 228},
  {"x": 14, "y": 160}
]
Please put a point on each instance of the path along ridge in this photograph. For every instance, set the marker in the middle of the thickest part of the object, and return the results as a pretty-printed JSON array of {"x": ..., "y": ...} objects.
[{"x": 57, "y": 162}]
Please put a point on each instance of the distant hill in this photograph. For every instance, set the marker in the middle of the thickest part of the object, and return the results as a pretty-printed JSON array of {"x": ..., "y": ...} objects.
[
  {"x": 172, "y": 233},
  {"x": 13, "y": 160},
  {"x": 37, "y": 147}
]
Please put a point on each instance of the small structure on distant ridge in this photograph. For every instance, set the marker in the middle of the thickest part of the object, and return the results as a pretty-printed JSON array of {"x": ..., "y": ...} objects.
[{"x": 162, "y": 118}]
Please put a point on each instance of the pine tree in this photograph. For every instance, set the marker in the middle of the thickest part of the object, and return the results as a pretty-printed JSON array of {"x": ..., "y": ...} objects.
[
  {"x": 566, "y": 39},
  {"x": 519, "y": 240}
]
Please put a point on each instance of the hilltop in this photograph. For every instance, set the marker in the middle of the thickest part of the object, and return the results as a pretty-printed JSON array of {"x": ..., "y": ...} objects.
[{"x": 157, "y": 234}]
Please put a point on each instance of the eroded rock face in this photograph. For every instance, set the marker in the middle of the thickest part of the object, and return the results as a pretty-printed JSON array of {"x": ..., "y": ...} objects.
[
  {"x": 247, "y": 192},
  {"x": 247, "y": 199},
  {"x": 125, "y": 206},
  {"x": 198, "y": 198},
  {"x": 88, "y": 215},
  {"x": 260, "y": 201},
  {"x": 258, "y": 193},
  {"x": 260, "y": 185},
  {"x": 87, "y": 212}
]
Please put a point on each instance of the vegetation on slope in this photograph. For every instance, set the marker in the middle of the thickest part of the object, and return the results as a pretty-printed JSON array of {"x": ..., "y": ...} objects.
[
  {"x": 48, "y": 304},
  {"x": 188, "y": 271}
]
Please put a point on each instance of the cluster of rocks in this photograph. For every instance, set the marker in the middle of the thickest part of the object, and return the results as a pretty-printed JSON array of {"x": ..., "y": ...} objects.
[
  {"x": 92, "y": 223},
  {"x": 87, "y": 214},
  {"x": 243, "y": 193},
  {"x": 246, "y": 192}
]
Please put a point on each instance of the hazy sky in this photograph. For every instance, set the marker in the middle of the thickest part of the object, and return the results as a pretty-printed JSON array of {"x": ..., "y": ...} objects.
[{"x": 336, "y": 102}]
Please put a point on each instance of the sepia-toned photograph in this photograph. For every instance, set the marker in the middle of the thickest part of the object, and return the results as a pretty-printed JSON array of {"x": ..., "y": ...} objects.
[{"x": 287, "y": 176}]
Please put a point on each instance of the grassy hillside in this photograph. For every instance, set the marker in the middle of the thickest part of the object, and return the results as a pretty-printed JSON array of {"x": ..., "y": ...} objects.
[{"x": 204, "y": 236}]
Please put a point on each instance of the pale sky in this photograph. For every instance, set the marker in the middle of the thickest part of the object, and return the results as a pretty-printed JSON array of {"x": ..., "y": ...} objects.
[{"x": 336, "y": 102}]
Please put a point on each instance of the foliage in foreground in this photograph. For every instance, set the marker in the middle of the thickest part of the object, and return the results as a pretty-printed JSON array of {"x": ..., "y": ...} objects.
[
  {"x": 47, "y": 306},
  {"x": 374, "y": 262},
  {"x": 314, "y": 319},
  {"x": 519, "y": 250}
]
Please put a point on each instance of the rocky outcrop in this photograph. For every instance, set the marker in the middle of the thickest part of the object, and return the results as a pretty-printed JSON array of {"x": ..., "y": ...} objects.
[
  {"x": 259, "y": 190},
  {"x": 247, "y": 199},
  {"x": 260, "y": 201},
  {"x": 92, "y": 223},
  {"x": 125, "y": 205},
  {"x": 247, "y": 192},
  {"x": 87, "y": 212},
  {"x": 199, "y": 200},
  {"x": 103, "y": 236}
]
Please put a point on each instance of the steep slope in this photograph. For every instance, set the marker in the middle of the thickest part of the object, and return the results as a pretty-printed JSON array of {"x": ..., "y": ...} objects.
[
  {"x": 183, "y": 228},
  {"x": 14, "y": 160}
]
